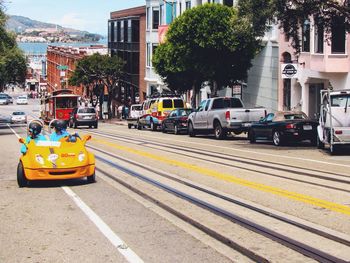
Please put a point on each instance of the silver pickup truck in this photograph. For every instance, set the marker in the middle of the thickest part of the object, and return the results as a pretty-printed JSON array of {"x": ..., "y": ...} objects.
[{"x": 222, "y": 115}]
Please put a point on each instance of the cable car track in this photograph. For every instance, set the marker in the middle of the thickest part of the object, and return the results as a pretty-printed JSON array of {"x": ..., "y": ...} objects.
[
  {"x": 185, "y": 150},
  {"x": 271, "y": 234}
]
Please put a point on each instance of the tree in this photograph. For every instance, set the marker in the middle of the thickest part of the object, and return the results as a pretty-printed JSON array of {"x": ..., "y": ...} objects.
[
  {"x": 208, "y": 42},
  {"x": 12, "y": 61},
  {"x": 291, "y": 15},
  {"x": 98, "y": 71}
]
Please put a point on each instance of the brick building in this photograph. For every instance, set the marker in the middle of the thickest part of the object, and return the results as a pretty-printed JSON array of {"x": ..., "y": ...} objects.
[
  {"x": 126, "y": 39},
  {"x": 57, "y": 78}
]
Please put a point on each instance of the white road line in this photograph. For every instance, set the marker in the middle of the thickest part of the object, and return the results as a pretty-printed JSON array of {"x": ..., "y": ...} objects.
[
  {"x": 13, "y": 131},
  {"x": 123, "y": 249},
  {"x": 247, "y": 151}
]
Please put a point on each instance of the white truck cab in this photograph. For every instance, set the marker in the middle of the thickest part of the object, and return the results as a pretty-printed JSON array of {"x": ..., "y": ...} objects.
[{"x": 334, "y": 128}]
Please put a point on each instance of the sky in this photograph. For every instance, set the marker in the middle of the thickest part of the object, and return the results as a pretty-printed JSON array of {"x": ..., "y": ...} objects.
[{"x": 86, "y": 15}]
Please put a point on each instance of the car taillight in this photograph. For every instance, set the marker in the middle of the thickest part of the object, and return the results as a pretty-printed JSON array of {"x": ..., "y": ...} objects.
[
  {"x": 96, "y": 116},
  {"x": 76, "y": 116},
  {"x": 183, "y": 119},
  {"x": 154, "y": 114},
  {"x": 228, "y": 115},
  {"x": 338, "y": 132},
  {"x": 290, "y": 126}
]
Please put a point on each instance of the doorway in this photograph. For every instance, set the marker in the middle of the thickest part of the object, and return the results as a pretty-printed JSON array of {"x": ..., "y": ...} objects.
[{"x": 315, "y": 100}]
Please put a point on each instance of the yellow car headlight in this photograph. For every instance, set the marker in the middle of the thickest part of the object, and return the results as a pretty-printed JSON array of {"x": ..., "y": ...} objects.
[
  {"x": 81, "y": 157},
  {"x": 39, "y": 159}
]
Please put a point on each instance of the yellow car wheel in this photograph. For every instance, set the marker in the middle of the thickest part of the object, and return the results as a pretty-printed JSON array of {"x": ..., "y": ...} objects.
[
  {"x": 21, "y": 178},
  {"x": 91, "y": 179}
]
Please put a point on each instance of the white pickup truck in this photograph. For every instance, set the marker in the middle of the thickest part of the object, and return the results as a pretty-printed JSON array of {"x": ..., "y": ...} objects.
[{"x": 222, "y": 115}]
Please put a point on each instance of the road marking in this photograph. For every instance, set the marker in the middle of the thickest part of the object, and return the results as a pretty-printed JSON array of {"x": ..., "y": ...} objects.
[
  {"x": 233, "y": 179},
  {"x": 247, "y": 151},
  {"x": 123, "y": 249},
  {"x": 14, "y": 131}
]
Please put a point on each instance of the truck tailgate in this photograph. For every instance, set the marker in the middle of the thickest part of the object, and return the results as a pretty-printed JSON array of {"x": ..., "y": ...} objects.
[{"x": 247, "y": 115}]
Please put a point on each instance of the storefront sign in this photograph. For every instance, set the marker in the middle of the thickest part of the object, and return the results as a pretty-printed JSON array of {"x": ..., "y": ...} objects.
[{"x": 289, "y": 71}]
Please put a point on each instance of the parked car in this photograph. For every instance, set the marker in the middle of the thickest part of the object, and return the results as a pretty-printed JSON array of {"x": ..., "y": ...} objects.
[
  {"x": 134, "y": 115},
  {"x": 158, "y": 109},
  {"x": 23, "y": 99},
  {"x": 284, "y": 126},
  {"x": 222, "y": 115},
  {"x": 176, "y": 121},
  {"x": 18, "y": 117},
  {"x": 83, "y": 116},
  {"x": 334, "y": 128},
  {"x": 4, "y": 119},
  {"x": 3, "y": 99}
]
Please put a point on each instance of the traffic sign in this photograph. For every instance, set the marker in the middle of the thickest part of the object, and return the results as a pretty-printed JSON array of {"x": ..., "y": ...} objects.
[{"x": 62, "y": 67}]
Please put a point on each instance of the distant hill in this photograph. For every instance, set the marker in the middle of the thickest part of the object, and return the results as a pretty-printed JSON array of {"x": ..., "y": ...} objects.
[{"x": 20, "y": 24}]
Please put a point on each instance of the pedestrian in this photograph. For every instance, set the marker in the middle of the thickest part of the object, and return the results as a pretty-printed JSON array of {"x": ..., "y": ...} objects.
[{"x": 123, "y": 112}]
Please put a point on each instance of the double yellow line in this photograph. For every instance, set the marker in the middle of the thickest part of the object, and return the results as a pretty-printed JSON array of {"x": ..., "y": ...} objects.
[{"x": 232, "y": 179}]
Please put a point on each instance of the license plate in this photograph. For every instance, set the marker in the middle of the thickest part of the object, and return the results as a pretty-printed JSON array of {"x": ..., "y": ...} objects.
[
  {"x": 246, "y": 124},
  {"x": 87, "y": 117},
  {"x": 307, "y": 127}
]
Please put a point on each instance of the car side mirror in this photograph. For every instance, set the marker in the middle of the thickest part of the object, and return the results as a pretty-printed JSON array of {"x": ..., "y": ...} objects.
[{"x": 86, "y": 138}]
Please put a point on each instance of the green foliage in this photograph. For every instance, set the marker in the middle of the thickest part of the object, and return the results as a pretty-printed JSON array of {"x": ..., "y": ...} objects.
[
  {"x": 97, "y": 71},
  {"x": 208, "y": 42},
  {"x": 12, "y": 61},
  {"x": 291, "y": 14}
]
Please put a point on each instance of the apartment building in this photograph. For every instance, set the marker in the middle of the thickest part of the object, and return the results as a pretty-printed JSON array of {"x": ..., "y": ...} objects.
[
  {"x": 126, "y": 39},
  {"x": 61, "y": 63},
  {"x": 261, "y": 87},
  {"x": 322, "y": 63}
]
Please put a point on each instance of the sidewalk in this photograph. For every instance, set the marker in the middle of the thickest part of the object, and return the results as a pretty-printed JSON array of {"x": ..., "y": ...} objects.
[{"x": 115, "y": 121}]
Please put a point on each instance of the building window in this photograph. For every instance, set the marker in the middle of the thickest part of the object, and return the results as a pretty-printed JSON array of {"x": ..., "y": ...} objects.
[
  {"x": 154, "y": 47},
  {"x": 188, "y": 5},
  {"x": 148, "y": 55},
  {"x": 129, "y": 31},
  {"x": 135, "y": 31},
  {"x": 180, "y": 8},
  {"x": 306, "y": 36},
  {"x": 148, "y": 18},
  {"x": 155, "y": 17},
  {"x": 338, "y": 36},
  {"x": 228, "y": 3},
  {"x": 161, "y": 15},
  {"x": 121, "y": 37},
  {"x": 125, "y": 22},
  {"x": 115, "y": 32},
  {"x": 319, "y": 37}
]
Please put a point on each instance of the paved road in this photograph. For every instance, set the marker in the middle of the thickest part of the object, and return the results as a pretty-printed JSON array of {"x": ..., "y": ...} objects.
[{"x": 74, "y": 221}]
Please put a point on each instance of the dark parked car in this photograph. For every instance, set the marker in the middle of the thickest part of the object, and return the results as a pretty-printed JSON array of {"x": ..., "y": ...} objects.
[
  {"x": 83, "y": 116},
  {"x": 176, "y": 121},
  {"x": 284, "y": 126}
]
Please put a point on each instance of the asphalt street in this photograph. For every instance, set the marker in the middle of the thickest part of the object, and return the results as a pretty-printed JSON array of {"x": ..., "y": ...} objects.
[{"x": 72, "y": 221}]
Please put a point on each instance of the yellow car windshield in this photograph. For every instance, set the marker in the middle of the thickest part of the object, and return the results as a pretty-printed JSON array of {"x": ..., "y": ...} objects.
[{"x": 48, "y": 144}]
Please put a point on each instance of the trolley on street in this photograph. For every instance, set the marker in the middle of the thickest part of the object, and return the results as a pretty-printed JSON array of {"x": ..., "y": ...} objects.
[{"x": 59, "y": 105}]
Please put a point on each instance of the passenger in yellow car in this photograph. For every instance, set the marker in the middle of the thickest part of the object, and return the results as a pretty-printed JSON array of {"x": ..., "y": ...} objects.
[
  {"x": 60, "y": 130},
  {"x": 34, "y": 131}
]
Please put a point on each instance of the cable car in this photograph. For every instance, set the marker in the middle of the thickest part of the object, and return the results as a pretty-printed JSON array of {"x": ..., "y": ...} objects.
[{"x": 59, "y": 105}]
